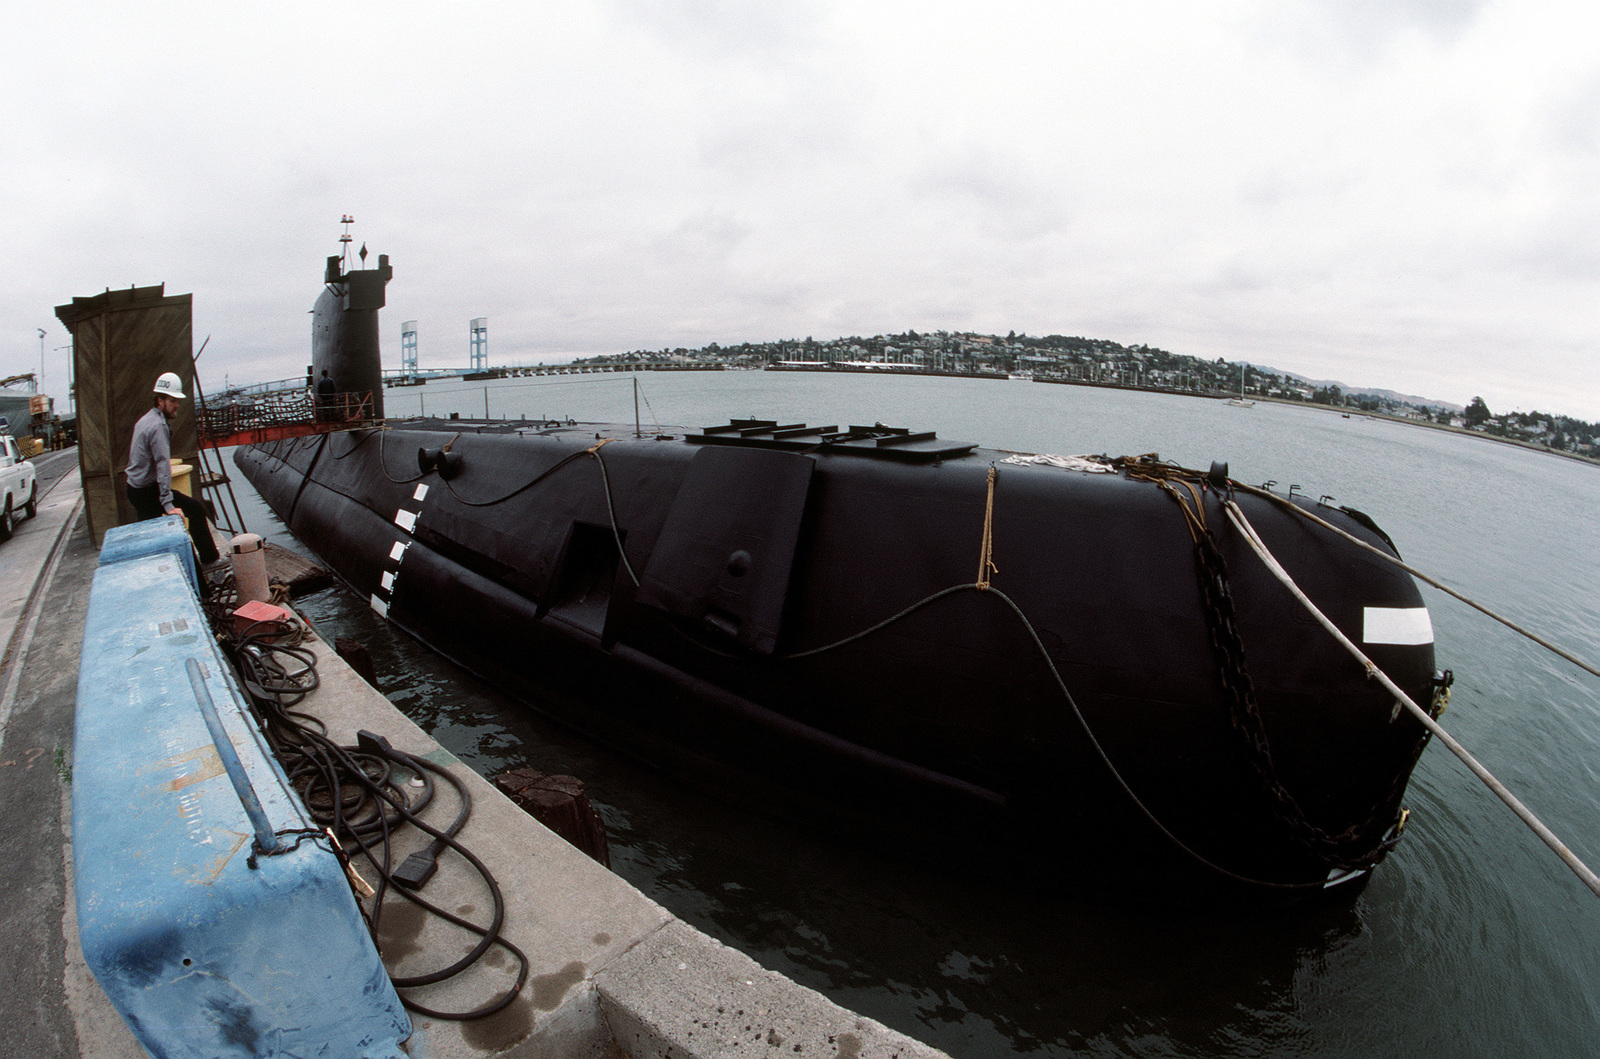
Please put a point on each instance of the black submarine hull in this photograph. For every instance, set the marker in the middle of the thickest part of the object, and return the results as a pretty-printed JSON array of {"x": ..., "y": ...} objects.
[{"x": 797, "y": 619}]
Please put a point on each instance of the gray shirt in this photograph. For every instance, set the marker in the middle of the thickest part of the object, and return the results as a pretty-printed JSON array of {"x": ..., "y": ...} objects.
[{"x": 150, "y": 456}]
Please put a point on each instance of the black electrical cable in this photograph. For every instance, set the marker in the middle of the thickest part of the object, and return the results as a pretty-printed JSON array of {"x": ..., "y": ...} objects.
[
  {"x": 488, "y": 936},
  {"x": 535, "y": 480},
  {"x": 340, "y": 766},
  {"x": 357, "y": 794},
  {"x": 383, "y": 465}
]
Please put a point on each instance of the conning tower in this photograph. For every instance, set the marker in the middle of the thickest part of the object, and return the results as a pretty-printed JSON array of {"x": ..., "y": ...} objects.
[{"x": 344, "y": 327}]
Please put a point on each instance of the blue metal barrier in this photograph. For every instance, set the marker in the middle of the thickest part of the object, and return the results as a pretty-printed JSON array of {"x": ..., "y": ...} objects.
[
  {"x": 157, "y": 536},
  {"x": 201, "y": 951}
]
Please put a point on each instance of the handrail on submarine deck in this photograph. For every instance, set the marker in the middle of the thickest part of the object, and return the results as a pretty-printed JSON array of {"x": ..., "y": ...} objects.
[{"x": 284, "y": 414}]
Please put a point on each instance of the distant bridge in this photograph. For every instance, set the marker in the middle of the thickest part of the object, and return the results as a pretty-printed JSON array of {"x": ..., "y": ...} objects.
[{"x": 466, "y": 375}]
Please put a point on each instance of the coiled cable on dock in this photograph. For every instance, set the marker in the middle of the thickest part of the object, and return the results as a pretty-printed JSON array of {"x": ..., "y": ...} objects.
[
  {"x": 271, "y": 664},
  {"x": 360, "y": 795}
]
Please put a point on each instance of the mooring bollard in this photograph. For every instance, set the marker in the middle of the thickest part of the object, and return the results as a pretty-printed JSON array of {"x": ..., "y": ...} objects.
[
  {"x": 250, "y": 568},
  {"x": 357, "y": 657},
  {"x": 561, "y": 804}
]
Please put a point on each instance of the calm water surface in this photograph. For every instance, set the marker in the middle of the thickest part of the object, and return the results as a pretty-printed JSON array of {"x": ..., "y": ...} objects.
[{"x": 1471, "y": 940}]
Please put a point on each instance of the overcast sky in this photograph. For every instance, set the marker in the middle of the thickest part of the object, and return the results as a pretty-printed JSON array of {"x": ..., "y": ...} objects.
[{"x": 1391, "y": 193}]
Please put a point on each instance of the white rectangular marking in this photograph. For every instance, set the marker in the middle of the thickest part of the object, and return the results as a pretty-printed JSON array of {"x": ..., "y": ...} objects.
[
  {"x": 388, "y": 581},
  {"x": 1404, "y": 626},
  {"x": 398, "y": 551},
  {"x": 380, "y": 606},
  {"x": 405, "y": 520},
  {"x": 421, "y": 493}
]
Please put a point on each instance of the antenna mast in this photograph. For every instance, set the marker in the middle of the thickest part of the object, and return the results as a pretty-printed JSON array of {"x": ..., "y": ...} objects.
[{"x": 344, "y": 241}]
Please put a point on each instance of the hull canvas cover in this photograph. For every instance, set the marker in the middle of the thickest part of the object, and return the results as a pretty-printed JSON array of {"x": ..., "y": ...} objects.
[{"x": 911, "y": 634}]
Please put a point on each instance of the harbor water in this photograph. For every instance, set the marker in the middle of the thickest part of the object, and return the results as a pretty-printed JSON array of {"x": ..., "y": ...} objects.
[{"x": 1472, "y": 939}]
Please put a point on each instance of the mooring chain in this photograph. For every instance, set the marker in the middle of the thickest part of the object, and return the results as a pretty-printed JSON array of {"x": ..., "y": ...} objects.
[
  {"x": 1244, "y": 712},
  {"x": 1427, "y": 717}
]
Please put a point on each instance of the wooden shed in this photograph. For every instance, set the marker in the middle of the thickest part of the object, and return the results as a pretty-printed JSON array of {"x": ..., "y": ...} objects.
[{"x": 122, "y": 340}]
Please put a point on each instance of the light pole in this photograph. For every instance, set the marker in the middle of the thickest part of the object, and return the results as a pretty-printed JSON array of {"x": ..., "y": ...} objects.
[
  {"x": 40, "y": 387},
  {"x": 71, "y": 393}
]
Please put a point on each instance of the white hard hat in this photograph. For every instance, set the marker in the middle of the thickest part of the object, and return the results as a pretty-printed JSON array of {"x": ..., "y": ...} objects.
[{"x": 169, "y": 385}]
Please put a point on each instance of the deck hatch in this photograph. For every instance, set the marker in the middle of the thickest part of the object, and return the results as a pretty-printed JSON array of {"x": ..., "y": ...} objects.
[
  {"x": 896, "y": 443},
  {"x": 726, "y": 550}
]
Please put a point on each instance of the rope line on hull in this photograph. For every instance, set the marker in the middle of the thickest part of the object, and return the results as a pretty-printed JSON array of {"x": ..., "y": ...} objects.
[
  {"x": 986, "y": 565},
  {"x": 611, "y": 507}
]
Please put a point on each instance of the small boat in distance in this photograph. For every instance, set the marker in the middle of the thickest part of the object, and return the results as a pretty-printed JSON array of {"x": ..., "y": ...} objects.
[{"x": 1241, "y": 401}]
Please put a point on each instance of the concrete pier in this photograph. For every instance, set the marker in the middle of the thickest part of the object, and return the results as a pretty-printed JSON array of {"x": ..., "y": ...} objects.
[{"x": 612, "y": 973}]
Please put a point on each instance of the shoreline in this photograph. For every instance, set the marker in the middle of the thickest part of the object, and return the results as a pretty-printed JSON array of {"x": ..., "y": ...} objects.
[
  {"x": 897, "y": 369},
  {"x": 1407, "y": 421}
]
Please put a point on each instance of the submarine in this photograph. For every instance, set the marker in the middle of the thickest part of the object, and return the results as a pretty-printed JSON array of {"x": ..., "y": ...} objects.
[
  {"x": 1083, "y": 668},
  {"x": 1079, "y": 668}
]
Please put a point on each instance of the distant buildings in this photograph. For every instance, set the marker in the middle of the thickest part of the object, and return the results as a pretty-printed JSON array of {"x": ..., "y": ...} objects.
[{"x": 1064, "y": 358}]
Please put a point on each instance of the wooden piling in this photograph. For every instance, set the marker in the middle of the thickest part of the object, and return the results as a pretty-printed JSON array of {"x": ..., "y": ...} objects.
[
  {"x": 561, "y": 804},
  {"x": 357, "y": 657}
]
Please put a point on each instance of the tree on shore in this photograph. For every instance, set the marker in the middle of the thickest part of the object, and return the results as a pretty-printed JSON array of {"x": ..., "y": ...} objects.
[{"x": 1477, "y": 413}]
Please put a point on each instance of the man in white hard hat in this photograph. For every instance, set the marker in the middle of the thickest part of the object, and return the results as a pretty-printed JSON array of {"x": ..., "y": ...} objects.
[{"x": 150, "y": 469}]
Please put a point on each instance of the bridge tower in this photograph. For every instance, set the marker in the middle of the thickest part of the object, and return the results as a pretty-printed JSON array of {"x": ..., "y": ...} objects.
[
  {"x": 478, "y": 345},
  {"x": 408, "y": 347}
]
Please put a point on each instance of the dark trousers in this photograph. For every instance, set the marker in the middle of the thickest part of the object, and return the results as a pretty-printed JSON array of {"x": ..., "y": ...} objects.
[{"x": 146, "y": 501}]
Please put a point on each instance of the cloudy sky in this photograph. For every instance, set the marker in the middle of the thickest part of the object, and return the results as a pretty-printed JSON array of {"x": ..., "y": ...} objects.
[{"x": 1394, "y": 193}]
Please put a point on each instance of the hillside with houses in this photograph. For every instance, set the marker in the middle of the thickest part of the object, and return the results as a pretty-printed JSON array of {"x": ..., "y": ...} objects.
[{"x": 1100, "y": 362}]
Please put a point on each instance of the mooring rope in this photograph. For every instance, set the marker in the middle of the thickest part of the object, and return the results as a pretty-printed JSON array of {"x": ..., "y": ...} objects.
[
  {"x": 1581, "y": 870},
  {"x": 1414, "y": 572},
  {"x": 986, "y": 564},
  {"x": 1244, "y": 712}
]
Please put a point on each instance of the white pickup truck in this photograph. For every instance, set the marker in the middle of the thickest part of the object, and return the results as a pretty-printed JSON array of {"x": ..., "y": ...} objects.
[{"x": 18, "y": 486}]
